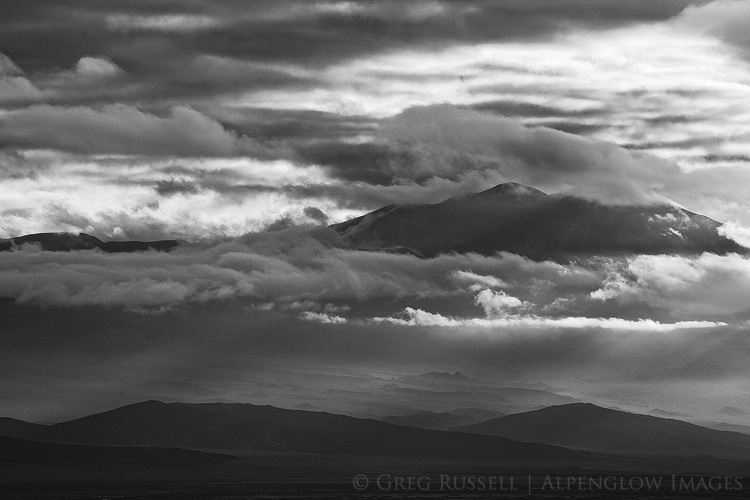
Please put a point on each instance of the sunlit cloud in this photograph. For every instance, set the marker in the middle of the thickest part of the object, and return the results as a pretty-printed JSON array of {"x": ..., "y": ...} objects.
[
  {"x": 659, "y": 87},
  {"x": 165, "y": 23},
  {"x": 123, "y": 197},
  {"x": 418, "y": 317},
  {"x": 710, "y": 285}
]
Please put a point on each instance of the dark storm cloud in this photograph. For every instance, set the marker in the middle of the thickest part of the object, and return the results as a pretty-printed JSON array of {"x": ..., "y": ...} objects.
[
  {"x": 176, "y": 78},
  {"x": 139, "y": 35},
  {"x": 121, "y": 129},
  {"x": 717, "y": 158},
  {"x": 175, "y": 186},
  {"x": 371, "y": 162},
  {"x": 316, "y": 214},
  {"x": 298, "y": 126},
  {"x": 517, "y": 109},
  {"x": 691, "y": 142},
  {"x": 585, "y": 122},
  {"x": 463, "y": 146},
  {"x": 427, "y": 154},
  {"x": 239, "y": 190},
  {"x": 571, "y": 127}
]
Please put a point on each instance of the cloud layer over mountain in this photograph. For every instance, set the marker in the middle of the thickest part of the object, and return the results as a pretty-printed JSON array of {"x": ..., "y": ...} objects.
[
  {"x": 246, "y": 128},
  {"x": 255, "y": 112}
]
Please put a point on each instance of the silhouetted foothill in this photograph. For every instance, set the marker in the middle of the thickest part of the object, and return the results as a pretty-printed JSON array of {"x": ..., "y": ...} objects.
[{"x": 65, "y": 242}]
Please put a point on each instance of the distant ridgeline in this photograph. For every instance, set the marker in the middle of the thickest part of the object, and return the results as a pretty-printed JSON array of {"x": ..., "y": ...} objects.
[
  {"x": 522, "y": 220},
  {"x": 65, "y": 242}
]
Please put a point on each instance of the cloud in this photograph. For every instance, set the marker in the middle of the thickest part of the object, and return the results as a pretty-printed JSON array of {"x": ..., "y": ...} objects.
[
  {"x": 709, "y": 285},
  {"x": 173, "y": 52},
  {"x": 211, "y": 352},
  {"x": 424, "y": 155},
  {"x": 726, "y": 19},
  {"x": 286, "y": 266},
  {"x": 120, "y": 129},
  {"x": 429, "y": 153},
  {"x": 349, "y": 26},
  {"x": 15, "y": 87},
  {"x": 736, "y": 231},
  {"x": 478, "y": 280},
  {"x": 148, "y": 281},
  {"x": 101, "y": 67},
  {"x": 8, "y": 67},
  {"x": 154, "y": 198},
  {"x": 316, "y": 214},
  {"x": 323, "y": 318},
  {"x": 335, "y": 110},
  {"x": 505, "y": 311},
  {"x": 160, "y": 23},
  {"x": 498, "y": 303},
  {"x": 172, "y": 186},
  {"x": 301, "y": 268},
  {"x": 417, "y": 317},
  {"x": 446, "y": 142}
]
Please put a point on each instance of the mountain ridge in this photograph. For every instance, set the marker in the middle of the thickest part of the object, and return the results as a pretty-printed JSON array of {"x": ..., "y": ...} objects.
[
  {"x": 523, "y": 220},
  {"x": 65, "y": 242},
  {"x": 233, "y": 427},
  {"x": 586, "y": 426}
]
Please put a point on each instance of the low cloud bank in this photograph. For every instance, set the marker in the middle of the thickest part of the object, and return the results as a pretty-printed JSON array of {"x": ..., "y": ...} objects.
[{"x": 309, "y": 272}]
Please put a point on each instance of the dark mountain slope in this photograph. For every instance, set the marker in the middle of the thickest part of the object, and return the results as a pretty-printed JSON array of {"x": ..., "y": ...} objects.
[
  {"x": 443, "y": 421},
  {"x": 589, "y": 427},
  {"x": 8, "y": 426},
  {"x": 266, "y": 428},
  {"x": 65, "y": 242},
  {"x": 515, "y": 218}
]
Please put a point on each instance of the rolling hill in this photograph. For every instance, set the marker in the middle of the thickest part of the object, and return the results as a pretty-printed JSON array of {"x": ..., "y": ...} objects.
[
  {"x": 9, "y": 426},
  {"x": 65, "y": 242},
  {"x": 443, "y": 421},
  {"x": 589, "y": 427},
  {"x": 223, "y": 426}
]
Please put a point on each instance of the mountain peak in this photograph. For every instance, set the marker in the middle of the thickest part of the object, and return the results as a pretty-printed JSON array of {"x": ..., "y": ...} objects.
[
  {"x": 519, "y": 219},
  {"x": 445, "y": 375},
  {"x": 513, "y": 189}
]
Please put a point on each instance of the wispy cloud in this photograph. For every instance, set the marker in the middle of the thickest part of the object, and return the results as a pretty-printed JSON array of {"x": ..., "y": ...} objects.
[{"x": 417, "y": 317}]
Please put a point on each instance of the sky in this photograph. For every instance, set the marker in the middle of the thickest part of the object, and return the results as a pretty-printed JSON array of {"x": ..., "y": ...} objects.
[{"x": 245, "y": 128}]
